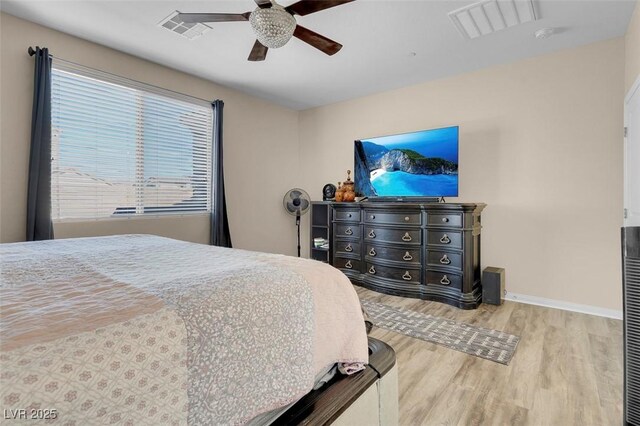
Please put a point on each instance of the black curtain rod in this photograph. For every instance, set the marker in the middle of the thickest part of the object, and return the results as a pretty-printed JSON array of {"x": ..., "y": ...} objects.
[{"x": 32, "y": 52}]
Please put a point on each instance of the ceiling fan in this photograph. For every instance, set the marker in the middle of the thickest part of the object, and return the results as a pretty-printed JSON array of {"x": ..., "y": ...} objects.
[{"x": 274, "y": 25}]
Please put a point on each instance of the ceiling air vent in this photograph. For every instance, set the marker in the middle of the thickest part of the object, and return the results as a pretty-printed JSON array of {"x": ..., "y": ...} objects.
[
  {"x": 489, "y": 16},
  {"x": 189, "y": 30}
]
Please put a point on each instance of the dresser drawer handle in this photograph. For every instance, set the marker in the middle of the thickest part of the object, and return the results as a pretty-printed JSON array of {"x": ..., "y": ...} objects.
[
  {"x": 348, "y": 248},
  {"x": 348, "y": 265},
  {"x": 406, "y": 218},
  {"x": 373, "y": 216},
  {"x": 372, "y": 252},
  {"x": 445, "y": 260},
  {"x": 372, "y": 234},
  {"x": 407, "y": 256},
  {"x": 348, "y": 231},
  {"x": 407, "y": 276},
  {"x": 445, "y": 219},
  {"x": 406, "y": 237},
  {"x": 445, "y": 280},
  {"x": 445, "y": 239},
  {"x": 372, "y": 270},
  {"x": 349, "y": 215}
]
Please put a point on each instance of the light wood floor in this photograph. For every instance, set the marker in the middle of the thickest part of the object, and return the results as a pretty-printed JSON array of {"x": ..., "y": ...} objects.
[{"x": 567, "y": 369}]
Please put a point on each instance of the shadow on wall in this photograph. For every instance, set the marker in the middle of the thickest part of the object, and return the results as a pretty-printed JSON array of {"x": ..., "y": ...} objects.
[{"x": 486, "y": 145}]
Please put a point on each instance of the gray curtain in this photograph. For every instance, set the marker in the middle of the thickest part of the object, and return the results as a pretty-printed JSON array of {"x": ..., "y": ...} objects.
[
  {"x": 39, "y": 225},
  {"x": 220, "y": 235}
]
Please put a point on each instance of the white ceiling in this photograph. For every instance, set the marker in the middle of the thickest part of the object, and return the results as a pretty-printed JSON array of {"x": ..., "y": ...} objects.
[{"x": 378, "y": 37}]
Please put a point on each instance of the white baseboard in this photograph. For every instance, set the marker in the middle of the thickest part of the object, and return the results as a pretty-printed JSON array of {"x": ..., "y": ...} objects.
[{"x": 567, "y": 306}]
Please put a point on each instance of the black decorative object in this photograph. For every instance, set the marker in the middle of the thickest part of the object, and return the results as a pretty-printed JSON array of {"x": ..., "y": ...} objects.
[
  {"x": 328, "y": 192},
  {"x": 296, "y": 202},
  {"x": 39, "y": 225}
]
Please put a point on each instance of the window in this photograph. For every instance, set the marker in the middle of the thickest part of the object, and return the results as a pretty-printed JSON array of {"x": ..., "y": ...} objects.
[{"x": 120, "y": 147}]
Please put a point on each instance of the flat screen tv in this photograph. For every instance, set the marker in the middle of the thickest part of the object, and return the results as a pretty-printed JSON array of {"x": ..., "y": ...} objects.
[{"x": 417, "y": 164}]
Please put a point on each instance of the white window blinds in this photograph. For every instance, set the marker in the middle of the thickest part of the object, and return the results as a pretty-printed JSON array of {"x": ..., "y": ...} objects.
[{"x": 120, "y": 147}]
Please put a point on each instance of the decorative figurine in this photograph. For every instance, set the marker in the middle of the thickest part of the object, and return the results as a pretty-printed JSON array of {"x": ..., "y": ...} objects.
[
  {"x": 349, "y": 193},
  {"x": 339, "y": 192}
]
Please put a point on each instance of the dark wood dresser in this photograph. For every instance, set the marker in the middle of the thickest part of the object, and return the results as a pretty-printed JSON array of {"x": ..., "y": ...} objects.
[{"x": 429, "y": 251}]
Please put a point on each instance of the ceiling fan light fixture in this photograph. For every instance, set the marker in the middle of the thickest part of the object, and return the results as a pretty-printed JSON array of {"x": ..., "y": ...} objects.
[{"x": 273, "y": 26}]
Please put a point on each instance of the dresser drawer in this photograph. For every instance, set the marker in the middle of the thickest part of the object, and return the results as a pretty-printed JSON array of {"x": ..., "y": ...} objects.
[
  {"x": 404, "y": 236},
  {"x": 444, "y": 259},
  {"x": 445, "y": 279},
  {"x": 448, "y": 239},
  {"x": 347, "y": 265},
  {"x": 347, "y": 215},
  {"x": 445, "y": 219},
  {"x": 407, "y": 275},
  {"x": 408, "y": 256},
  {"x": 396, "y": 218},
  {"x": 345, "y": 230},
  {"x": 345, "y": 247}
]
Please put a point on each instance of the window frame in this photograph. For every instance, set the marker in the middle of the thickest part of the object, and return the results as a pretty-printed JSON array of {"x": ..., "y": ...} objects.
[{"x": 105, "y": 77}]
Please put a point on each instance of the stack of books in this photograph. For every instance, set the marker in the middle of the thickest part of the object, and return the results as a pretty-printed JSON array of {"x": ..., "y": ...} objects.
[{"x": 320, "y": 243}]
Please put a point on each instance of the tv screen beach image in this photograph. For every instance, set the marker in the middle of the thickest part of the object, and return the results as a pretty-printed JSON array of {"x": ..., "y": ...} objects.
[{"x": 419, "y": 164}]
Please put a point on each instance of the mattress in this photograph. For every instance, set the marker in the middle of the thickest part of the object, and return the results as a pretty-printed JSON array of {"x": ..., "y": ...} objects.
[{"x": 145, "y": 330}]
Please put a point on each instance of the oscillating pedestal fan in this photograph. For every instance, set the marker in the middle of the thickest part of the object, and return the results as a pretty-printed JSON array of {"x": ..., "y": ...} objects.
[{"x": 296, "y": 203}]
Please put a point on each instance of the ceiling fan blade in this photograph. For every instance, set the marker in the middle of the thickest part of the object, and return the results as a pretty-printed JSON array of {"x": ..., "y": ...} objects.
[
  {"x": 263, "y": 4},
  {"x": 305, "y": 7},
  {"x": 316, "y": 40},
  {"x": 259, "y": 52},
  {"x": 212, "y": 17}
]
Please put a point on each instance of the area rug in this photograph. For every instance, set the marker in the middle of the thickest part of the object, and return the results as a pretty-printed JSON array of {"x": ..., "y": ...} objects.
[{"x": 485, "y": 343}]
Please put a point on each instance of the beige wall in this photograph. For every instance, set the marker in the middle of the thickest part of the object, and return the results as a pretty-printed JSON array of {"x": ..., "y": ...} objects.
[
  {"x": 540, "y": 143},
  {"x": 259, "y": 138},
  {"x": 632, "y": 49}
]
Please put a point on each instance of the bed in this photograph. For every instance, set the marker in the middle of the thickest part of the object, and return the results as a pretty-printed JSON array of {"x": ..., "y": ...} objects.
[{"x": 140, "y": 329}]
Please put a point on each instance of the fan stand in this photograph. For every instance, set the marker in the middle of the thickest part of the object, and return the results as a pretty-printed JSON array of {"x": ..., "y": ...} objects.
[
  {"x": 296, "y": 203},
  {"x": 298, "y": 225}
]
